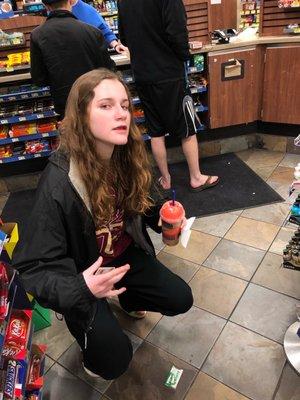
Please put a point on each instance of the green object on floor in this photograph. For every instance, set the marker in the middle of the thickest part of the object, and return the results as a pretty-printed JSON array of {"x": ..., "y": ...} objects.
[{"x": 41, "y": 317}]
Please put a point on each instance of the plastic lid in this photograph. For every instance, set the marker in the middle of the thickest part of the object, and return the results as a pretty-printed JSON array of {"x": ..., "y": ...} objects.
[{"x": 172, "y": 213}]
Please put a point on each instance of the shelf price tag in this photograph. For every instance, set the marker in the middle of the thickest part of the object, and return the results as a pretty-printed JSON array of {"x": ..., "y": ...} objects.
[
  {"x": 45, "y": 135},
  {"x": 21, "y": 119},
  {"x": 21, "y": 158},
  {"x": 9, "y": 69},
  {"x": 4, "y": 121},
  {"x": 192, "y": 69},
  {"x": 40, "y": 115},
  {"x": 24, "y": 96},
  {"x": 14, "y": 140},
  {"x": 37, "y": 155}
]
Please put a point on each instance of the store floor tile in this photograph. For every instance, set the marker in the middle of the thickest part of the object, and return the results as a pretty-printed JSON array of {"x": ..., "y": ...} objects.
[
  {"x": 178, "y": 335},
  {"x": 216, "y": 292},
  {"x": 271, "y": 275},
  {"x": 183, "y": 268},
  {"x": 207, "y": 388},
  {"x": 252, "y": 233},
  {"x": 214, "y": 225},
  {"x": 244, "y": 300},
  {"x": 61, "y": 384},
  {"x": 246, "y": 361},
  {"x": 272, "y": 213},
  {"x": 266, "y": 312},
  {"x": 235, "y": 259},
  {"x": 147, "y": 374}
]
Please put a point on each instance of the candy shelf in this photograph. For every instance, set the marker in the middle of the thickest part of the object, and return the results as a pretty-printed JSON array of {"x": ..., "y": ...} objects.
[
  {"x": 27, "y": 118},
  {"x": 30, "y": 94},
  {"x": 24, "y": 157},
  {"x": 25, "y": 138}
]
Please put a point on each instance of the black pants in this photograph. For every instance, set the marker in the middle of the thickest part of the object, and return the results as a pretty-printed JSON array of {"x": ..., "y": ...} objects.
[{"x": 150, "y": 286}]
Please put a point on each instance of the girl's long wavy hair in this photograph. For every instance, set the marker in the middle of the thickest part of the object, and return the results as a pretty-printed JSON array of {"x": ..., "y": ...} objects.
[{"x": 125, "y": 182}]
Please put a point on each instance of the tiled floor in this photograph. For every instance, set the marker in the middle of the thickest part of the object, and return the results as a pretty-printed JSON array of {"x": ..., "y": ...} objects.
[{"x": 229, "y": 344}]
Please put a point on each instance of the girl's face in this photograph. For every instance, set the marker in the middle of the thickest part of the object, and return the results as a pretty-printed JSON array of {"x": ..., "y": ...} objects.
[{"x": 109, "y": 116}]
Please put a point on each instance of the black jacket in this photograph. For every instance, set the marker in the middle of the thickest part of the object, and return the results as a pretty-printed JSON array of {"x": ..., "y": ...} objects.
[
  {"x": 155, "y": 32},
  {"x": 62, "y": 49},
  {"x": 59, "y": 242}
]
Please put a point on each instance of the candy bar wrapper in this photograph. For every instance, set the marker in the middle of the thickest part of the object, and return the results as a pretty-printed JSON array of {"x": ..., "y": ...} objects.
[
  {"x": 3, "y": 292},
  {"x": 17, "y": 334},
  {"x": 11, "y": 375},
  {"x": 173, "y": 377},
  {"x": 20, "y": 379},
  {"x": 186, "y": 232},
  {"x": 36, "y": 367}
]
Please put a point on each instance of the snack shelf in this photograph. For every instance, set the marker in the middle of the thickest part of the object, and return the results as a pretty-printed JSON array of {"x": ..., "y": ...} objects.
[
  {"x": 198, "y": 89},
  {"x": 30, "y": 94},
  {"x": 16, "y": 68},
  {"x": 139, "y": 120},
  {"x": 25, "y": 138},
  {"x": 109, "y": 14},
  {"x": 31, "y": 117},
  {"x": 191, "y": 70},
  {"x": 201, "y": 108},
  {"x": 24, "y": 157}
]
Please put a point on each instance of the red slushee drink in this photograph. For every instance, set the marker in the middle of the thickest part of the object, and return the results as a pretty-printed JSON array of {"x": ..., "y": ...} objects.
[{"x": 172, "y": 214}]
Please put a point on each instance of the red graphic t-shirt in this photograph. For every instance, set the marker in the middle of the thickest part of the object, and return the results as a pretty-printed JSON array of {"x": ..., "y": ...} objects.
[{"x": 112, "y": 239}]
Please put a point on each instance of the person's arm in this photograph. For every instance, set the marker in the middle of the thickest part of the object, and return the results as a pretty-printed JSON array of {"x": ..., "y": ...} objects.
[
  {"x": 47, "y": 271},
  {"x": 38, "y": 70},
  {"x": 174, "y": 19},
  {"x": 110, "y": 37}
]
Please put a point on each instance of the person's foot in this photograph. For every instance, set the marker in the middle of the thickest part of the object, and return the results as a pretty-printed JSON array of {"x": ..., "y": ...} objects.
[
  {"x": 90, "y": 373},
  {"x": 204, "y": 182},
  {"x": 137, "y": 314},
  {"x": 165, "y": 182}
]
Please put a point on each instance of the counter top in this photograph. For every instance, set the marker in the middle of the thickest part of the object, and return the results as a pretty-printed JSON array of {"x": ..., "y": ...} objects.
[
  {"x": 238, "y": 44},
  {"x": 210, "y": 48}
]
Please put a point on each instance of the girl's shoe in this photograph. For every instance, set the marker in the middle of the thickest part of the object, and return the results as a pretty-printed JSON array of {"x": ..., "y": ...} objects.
[
  {"x": 90, "y": 373},
  {"x": 137, "y": 314}
]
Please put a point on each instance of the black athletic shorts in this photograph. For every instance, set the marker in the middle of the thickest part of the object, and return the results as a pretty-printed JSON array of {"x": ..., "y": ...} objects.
[{"x": 168, "y": 108}]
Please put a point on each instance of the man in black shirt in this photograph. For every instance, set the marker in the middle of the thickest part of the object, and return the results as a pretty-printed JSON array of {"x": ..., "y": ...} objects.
[
  {"x": 62, "y": 49},
  {"x": 156, "y": 34}
]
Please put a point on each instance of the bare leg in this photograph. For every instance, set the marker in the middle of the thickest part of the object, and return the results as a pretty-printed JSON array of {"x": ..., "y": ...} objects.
[
  {"x": 191, "y": 152},
  {"x": 160, "y": 155}
]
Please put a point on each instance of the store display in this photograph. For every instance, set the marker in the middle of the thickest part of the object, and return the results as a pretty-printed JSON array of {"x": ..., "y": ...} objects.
[
  {"x": 21, "y": 362},
  {"x": 288, "y": 3},
  {"x": 11, "y": 39},
  {"x": 249, "y": 14}
]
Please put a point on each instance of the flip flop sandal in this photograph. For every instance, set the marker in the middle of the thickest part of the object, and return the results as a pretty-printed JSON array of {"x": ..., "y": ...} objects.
[
  {"x": 205, "y": 185},
  {"x": 137, "y": 314}
]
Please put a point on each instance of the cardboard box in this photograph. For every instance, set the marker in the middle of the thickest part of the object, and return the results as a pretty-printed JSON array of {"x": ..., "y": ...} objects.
[{"x": 10, "y": 229}]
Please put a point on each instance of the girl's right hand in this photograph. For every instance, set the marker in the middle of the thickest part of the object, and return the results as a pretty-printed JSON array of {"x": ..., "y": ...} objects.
[{"x": 103, "y": 285}]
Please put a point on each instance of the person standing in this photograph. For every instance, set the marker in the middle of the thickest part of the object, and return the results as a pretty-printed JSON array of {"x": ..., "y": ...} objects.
[
  {"x": 88, "y": 14},
  {"x": 62, "y": 49},
  {"x": 156, "y": 34}
]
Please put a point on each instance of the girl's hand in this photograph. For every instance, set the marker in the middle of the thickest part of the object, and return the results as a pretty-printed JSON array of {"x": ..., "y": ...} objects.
[{"x": 103, "y": 285}]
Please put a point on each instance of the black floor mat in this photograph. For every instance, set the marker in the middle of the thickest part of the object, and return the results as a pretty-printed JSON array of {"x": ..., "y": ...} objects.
[{"x": 239, "y": 188}]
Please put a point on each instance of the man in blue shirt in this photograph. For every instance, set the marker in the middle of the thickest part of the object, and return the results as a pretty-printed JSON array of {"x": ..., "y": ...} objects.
[{"x": 88, "y": 14}]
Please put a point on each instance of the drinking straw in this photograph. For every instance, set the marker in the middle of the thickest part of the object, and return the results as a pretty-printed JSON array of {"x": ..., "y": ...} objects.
[{"x": 173, "y": 197}]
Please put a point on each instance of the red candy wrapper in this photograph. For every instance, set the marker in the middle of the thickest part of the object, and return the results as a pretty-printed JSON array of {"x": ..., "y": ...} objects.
[
  {"x": 36, "y": 367},
  {"x": 17, "y": 334},
  {"x": 3, "y": 292},
  {"x": 17, "y": 330}
]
